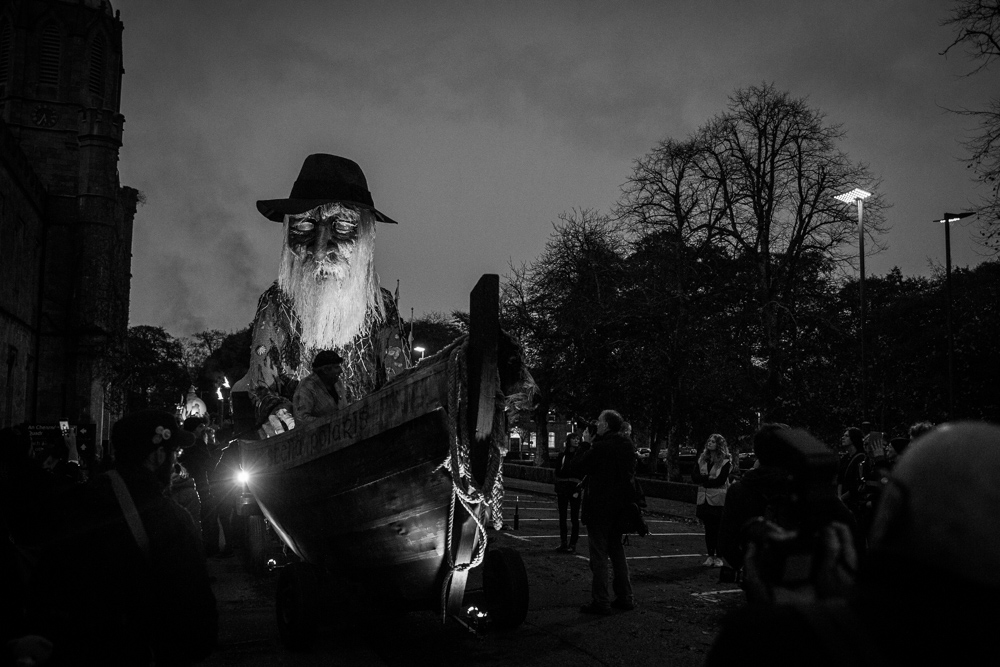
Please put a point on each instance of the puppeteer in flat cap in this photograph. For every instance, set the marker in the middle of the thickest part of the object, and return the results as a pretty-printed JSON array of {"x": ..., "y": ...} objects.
[{"x": 327, "y": 296}]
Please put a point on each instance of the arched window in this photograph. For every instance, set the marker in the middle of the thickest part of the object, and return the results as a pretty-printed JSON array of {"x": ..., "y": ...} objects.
[
  {"x": 6, "y": 37},
  {"x": 95, "y": 81},
  {"x": 50, "y": 56}
]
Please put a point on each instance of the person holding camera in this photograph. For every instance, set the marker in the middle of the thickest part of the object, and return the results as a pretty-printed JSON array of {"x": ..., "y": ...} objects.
[
  {"x": 711, "y": 474},
  {"x": 748, "y": 497},
  {"x": 568, "y": 494},
  {"x": 609, "y": 466}
]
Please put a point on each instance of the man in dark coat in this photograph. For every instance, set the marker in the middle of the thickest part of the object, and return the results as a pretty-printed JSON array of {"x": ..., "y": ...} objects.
[
  {"x": 125, "y": 581},
  {"x": 609, "y": 466}
]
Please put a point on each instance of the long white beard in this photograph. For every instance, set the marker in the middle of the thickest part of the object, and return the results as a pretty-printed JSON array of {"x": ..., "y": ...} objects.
[{"x": 338, "y": 298}]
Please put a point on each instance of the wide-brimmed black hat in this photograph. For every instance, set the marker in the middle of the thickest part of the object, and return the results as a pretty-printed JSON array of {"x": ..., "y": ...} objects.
[{"x": 323, "y": 179}]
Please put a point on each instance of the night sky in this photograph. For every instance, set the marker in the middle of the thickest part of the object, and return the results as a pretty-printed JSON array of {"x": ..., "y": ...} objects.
[{"x": 479, "y": 123}]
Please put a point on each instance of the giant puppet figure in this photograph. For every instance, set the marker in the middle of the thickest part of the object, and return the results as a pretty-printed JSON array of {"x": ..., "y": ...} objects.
[{"x": 327, "y": 296}]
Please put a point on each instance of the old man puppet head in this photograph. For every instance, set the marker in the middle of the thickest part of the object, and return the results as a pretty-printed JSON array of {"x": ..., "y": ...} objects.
[{"x": 327, "y": 295}]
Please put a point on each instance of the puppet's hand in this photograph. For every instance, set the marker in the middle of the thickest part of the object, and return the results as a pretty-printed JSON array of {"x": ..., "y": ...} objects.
[{"x": 278, "y": 423}]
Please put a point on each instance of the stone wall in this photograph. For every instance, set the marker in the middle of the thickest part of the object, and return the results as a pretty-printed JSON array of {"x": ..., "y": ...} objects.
[{"x": 21, "y": 242}]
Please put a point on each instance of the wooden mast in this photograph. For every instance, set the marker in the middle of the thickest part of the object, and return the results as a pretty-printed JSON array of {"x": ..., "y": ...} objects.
[{"x": 481, "y": 360}]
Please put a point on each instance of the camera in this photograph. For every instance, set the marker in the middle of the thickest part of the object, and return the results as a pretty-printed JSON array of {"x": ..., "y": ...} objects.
[{"x": 802, "y": 500}]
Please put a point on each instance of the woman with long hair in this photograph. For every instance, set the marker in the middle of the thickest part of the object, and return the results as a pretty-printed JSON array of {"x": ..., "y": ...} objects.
[{"x": 711, "y": 474}]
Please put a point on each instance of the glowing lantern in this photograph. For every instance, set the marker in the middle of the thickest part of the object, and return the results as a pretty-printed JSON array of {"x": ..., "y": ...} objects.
[{"x": 193, "y": 406}]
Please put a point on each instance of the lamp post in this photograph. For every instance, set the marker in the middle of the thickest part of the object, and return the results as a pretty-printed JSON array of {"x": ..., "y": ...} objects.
[
  {"x": 858, "y": 196},
  {"x": 947, "y": 220}
]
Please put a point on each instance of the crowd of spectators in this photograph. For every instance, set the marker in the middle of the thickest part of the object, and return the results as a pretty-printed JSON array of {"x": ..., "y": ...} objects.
[{"x": 865, "y": 552}]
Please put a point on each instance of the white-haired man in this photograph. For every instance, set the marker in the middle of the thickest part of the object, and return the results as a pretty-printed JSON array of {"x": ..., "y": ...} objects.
[{"x": 327, "y": 296}]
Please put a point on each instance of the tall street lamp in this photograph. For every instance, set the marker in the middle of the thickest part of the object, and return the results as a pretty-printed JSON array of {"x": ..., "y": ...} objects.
[
  {"x": 858, "y": 196},
  {"x": 947, "y": 220}
]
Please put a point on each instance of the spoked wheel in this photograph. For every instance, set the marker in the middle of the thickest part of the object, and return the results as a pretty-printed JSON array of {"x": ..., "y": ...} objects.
[
  {"x": 505, "y": 587},
  {"x": 297, "y": 605}
]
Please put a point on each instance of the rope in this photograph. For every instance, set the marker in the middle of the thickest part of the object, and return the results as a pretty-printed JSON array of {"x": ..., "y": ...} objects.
[{"x": 464, "y": 489}]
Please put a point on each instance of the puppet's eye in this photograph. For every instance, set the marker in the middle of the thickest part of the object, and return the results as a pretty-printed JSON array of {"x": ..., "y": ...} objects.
[{"x": 304, "y": 225}]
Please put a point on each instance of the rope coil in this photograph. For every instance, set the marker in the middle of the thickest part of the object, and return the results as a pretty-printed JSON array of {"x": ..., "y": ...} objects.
[{"x": 459, "y": 468}]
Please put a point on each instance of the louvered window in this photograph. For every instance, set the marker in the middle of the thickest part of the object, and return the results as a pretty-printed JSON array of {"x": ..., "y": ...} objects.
[
  {"x": 96, "y": 80},
  {"x": 50, "y": 56},
  {"x": 6, "y": 36}
]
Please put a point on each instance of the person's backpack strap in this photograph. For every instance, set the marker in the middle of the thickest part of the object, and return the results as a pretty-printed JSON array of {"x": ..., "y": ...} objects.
[{"x": 129, "y": 510}]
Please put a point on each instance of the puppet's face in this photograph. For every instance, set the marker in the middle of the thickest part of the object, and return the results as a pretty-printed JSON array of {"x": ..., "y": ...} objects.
[
  {"x": 328, "y": 271},
  {"x": 324, "y": 239}
]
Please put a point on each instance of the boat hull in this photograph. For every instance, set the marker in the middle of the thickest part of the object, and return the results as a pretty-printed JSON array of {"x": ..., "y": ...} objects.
[{"x": 363, "y": 494}]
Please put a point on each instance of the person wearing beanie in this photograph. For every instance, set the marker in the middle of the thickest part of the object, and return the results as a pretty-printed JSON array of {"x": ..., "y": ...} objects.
[{"x": 322, "y": 393}]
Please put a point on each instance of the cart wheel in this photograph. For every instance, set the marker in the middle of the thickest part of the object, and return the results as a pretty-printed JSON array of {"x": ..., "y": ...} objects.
[
  {"x": 297, "y": 606},
  {"x": 505, "y": 586},
  {"x": 256, "y": 544}
]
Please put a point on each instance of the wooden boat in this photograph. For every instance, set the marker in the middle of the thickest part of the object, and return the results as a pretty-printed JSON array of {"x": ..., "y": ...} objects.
[{"x": 393, "y": 492}]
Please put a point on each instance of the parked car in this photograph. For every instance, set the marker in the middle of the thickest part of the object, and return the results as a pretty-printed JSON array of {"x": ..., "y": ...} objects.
[
  {"x": 643, "y": 452},
  {"x": 522, "y": 456},
  {"x": 686, "y": 456}
]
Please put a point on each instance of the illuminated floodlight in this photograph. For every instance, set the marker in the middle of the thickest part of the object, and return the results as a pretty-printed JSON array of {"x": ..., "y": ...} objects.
[
  {"x": 955, "y": 217},
  {"x": 243, "y": 477},
  {"x": 857, "y": 194},
  {"x": 947, "y": 220}
]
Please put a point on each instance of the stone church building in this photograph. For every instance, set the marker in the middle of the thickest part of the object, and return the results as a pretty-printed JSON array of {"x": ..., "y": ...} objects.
[{"x": 65, "y": 219}]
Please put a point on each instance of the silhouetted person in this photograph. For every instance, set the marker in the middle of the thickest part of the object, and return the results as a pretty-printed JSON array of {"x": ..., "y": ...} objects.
[
  {"x": 125, "y": 581},
  {"x": 322, "y": 393},
  {"x": 609, "y": 466},
  {"x": 568, "y": 496}
]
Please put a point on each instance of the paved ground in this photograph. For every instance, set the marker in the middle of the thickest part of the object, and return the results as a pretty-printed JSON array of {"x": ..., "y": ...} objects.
[{"x": 681, "y": 605}]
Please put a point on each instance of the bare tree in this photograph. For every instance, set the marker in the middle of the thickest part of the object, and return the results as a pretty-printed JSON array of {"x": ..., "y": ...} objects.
[
  {"x": 977, "y": 23},
  {"x": 758, "y": 182},
  {"x": 198, "y": 348}
]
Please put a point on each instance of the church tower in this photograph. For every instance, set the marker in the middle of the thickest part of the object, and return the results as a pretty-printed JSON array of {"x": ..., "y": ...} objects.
[{"x": 60, "y": 92}]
